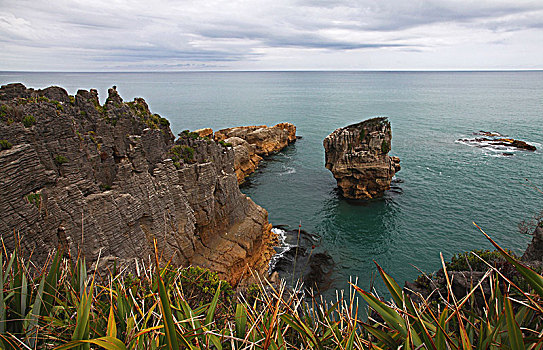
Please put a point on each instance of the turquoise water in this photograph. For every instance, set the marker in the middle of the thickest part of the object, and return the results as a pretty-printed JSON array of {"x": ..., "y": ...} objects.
[{"x": 443, "y": 185}]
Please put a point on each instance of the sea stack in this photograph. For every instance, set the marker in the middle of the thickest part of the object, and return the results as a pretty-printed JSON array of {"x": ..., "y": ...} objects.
[{"x": 357, "y": 156}]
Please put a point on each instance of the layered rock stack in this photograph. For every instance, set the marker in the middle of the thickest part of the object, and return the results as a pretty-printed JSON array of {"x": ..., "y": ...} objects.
[
  {"x": 109, "y": 180},
  {"x": 357, "y": 156},
  {"x": 251, "y": 143}
]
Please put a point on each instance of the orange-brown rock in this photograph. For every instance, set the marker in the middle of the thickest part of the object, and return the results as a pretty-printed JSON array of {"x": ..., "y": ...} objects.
[
  {"x": 109, "y": 180},
  {"x": 245, "y": 158},
  {"x": 267, "y": 140},
  {"x": 252, "y": 142},
  {"x": 205, "y": 132},
  {"x": 357, "y": 156}
]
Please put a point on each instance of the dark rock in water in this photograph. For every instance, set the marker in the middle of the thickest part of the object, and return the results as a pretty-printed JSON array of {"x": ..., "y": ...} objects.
[
  {"x": 507, "y": 154},
  {"x": 496, "y": 140},
  {"x": 357, "y": 156},
  {"x": 301, "y": 259},
  {"x": 109, "y": 179},
  {"x": 534, "y": 252}
]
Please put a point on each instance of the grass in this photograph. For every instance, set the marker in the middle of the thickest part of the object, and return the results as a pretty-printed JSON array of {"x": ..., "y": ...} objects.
[
  {"x": 5, "y": 144},
  {"x": 29, "y": 120},
  {"x": 59, "y": 159},
  {"x": 58, "y": 305}
]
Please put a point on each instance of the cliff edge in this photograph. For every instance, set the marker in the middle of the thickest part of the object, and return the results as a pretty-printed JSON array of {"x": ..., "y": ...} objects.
[
  {"x": 357, "y": 156},
  {"x": 109, "y": 179}
]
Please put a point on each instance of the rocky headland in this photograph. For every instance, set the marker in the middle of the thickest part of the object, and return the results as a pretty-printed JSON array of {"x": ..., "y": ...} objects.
[
  {"x": 251, "y": 143},
  {"x": 109, "y": 180},
  {"x": 357, "y": 156}
]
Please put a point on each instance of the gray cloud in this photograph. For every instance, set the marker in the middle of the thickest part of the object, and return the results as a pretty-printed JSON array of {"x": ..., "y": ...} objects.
[{"x": 188, "y": 34}]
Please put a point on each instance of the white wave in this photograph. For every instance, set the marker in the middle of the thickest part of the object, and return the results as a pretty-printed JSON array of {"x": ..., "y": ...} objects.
[
  {"x": 288, "y": 170},
  {"x": 281, "y": 249}
]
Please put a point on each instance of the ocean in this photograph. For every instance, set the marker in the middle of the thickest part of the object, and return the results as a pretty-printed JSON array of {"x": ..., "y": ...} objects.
[{"x": 443, "y": 187}]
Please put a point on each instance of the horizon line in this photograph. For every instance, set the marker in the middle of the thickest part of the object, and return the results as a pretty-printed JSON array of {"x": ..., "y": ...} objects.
[{"x": 286, "y": 70}]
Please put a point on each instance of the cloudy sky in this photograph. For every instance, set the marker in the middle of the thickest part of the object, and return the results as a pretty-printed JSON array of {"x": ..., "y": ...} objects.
[{"x": 137, "y": 35}]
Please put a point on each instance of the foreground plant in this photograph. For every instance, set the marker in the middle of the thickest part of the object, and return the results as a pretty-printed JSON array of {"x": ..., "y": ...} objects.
[{"x": 172, "y": 308}]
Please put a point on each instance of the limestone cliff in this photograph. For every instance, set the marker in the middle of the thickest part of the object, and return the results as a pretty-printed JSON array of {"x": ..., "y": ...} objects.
[
  {"x": 357, "y": 156},
  {"x": 251, "y": 143},
  {"x": 109, "y": 178}
]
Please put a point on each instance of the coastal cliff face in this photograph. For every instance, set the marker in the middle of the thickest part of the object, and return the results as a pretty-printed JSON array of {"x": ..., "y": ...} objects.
[
  {"x": 109, "y": 180},
  {"x": 251, "y": 143},
  {"x": 357, "y": 156}
]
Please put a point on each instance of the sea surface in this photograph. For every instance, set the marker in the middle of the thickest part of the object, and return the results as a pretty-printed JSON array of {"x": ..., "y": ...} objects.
[{"x": 442, "y": 188}]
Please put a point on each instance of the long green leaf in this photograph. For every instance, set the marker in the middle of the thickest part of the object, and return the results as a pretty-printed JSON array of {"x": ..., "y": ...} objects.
[
  {"x": 51, "y": 284},
  {"x": 533, "y": 278},
  {"x": 2, "y": 303},
  {"x": 213, "y": 306},
  {"x": 32, "y": 319},
  {"x": 107, "y": 343},
  {"x": 165, "y": 308},
  {"x": 513, "y": 329}
]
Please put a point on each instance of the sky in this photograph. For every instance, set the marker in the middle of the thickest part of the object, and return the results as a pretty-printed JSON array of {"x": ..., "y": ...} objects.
[{"x": 136, "y": 35}]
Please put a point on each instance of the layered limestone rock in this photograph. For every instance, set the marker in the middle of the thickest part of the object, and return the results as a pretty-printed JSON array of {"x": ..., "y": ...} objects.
[
  {"x": 251, "y": 143},
  {"x": 245, "y": 158},
  {"x": 357, "y": 156},
  {"x": 110, "y": 180}
]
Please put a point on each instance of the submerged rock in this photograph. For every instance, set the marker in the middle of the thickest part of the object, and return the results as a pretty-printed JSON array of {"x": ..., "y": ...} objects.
[
  {"x": 251, "y": 143},
  {"x": 109, "y": 180},
  {"x": 357, "y": 156}
]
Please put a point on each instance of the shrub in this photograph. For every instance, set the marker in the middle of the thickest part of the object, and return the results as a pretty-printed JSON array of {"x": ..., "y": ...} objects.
[
  {"x": 182, "y": 152},
  {"x": 225, "y": 144},
  {"x": 385, "y": 147},
  {"x": 34, "y": 198},
  {"x": 29, "y": 120},
  {"x": 463, "y": 261},
  {"x": 190, "y": 134},
  {"x": 5, "y": 144},
  {"x": 60, "y": 159}
]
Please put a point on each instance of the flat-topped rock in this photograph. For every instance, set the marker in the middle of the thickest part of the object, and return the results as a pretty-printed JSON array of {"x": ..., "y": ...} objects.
[
  {"x": 267, "y": 140},
  {"x": 357, "y": 156},
  {"x": 251, "y": 143}
]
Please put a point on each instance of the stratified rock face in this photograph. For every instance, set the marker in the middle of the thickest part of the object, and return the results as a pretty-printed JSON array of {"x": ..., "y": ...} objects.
[
  {"x": 252, "y": 142},
  {"x": 357, "y": 156},
  {"x": 110, "y": 179},
  {"x": 245, "y": 158}
]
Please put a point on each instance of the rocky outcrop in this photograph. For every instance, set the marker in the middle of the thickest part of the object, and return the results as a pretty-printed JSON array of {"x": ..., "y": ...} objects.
[
  {"x": 534, "y": 252},
  {"x": 109, "y": 180},
  {"x": 497, "y": 142},
  {"x": 267, "y": 140},
  {"x": 357, "y": 156},
  {"x": 251, "y": 143},
  {"x": 245, "y": 158}
]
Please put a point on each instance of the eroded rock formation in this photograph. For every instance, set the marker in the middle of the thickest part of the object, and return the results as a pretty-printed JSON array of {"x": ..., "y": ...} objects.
[
  {"x": 251, "y": 143},
  {"x": 110, "y": 179},
  {"x": 357, "y": 156}
]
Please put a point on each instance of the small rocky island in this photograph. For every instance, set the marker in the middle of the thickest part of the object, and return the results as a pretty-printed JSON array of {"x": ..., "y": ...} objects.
[{"x": 357, "y": 156}]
